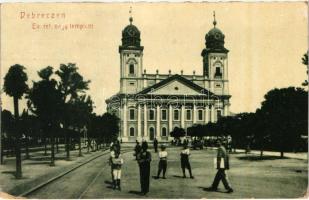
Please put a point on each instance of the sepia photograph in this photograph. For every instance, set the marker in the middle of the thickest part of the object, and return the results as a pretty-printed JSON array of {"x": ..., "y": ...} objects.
[{"x": 154, "y": 100}]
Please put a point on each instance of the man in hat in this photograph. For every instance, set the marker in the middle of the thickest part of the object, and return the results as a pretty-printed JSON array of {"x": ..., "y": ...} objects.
[
  {"x": 137, "y": 149},
  {"x": 144, "y": 159},
  {"x": 222, "y": 165},
  {"x": 155, "y": 145}
]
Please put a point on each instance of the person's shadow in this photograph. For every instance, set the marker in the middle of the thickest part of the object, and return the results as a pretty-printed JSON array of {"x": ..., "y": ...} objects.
[
  {"x": 177, "y": 176},
  {"x": 109, "y": 184},
  {"x": 135, "y": 192},
  {"x": 209, "y": 189}
]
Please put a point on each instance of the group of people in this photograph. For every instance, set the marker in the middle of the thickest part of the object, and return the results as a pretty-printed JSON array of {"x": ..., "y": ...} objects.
[{"x": 143, "y": 158}]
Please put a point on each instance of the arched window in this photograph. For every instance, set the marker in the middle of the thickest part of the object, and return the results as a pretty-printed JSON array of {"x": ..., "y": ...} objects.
[
  {"x": 131, "y": 69},
  {"x": 131, "y": 131},
  {"x": 164, "y": 132},
  {"x": 218, "y": 71}
]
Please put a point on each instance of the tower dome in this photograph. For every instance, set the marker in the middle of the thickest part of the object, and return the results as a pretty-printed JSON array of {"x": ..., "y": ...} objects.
[
  {"x": 215, "y": 38},
  {"x": 131, "y": 36}
]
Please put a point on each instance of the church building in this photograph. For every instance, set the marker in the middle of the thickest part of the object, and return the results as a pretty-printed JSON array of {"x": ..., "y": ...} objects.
[{"x": 151, "y": 105}]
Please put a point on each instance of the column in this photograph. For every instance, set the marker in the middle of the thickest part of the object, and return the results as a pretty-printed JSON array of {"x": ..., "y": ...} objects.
[
  {"x": 206, "y": 117},
  {"x": 212, "y": 113},
  {"x": 170, "y": 118},
  {"x": 158, "y": 127},
  {"x": 194, "y": 114},
  {"x": 125, "y": 120},
  {"x": 145, "y": 121},
  {"x": 139, "y": 131},
  {"x": 182, "y": 116}
]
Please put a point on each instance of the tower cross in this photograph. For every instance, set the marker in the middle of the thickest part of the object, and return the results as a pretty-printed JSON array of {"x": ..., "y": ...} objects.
[
  {"x": 214, "y": 22},
  {"x": 130, "y": 12}
]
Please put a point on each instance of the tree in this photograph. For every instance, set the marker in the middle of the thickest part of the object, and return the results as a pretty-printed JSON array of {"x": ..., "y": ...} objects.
[
  {"x": 178, "y": 132},
  {"x": 82, "y": 108},
  {"x": 71, "y": 85},
  {"x": 110, "y": 127},
  {"x": 7, "y": 124},
  {"x": 15, "y": 86},
  {"x": 305, "y": 62},
  {"x": 45, "y": 101},
  {"x": 286, "y": 113}
]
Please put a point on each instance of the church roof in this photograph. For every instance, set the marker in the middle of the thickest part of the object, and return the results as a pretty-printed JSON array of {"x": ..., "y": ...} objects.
[{"x": 180, "y": 79}]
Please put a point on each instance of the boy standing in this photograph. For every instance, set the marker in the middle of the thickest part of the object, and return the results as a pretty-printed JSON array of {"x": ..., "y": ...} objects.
[
  {"x": 117, "y": 162},
  {"x": 184, "y": 159},
  {"x": 162, "y": 162}
]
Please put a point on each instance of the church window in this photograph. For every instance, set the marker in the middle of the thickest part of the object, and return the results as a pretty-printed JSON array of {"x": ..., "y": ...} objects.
[
  {"x": 200, "y": 115},
  {"x": 131, "y": 69},
  {"x": 164, "y": 132},
  {"x": 219, "y": 114},
  {"x": 164, "y": 115},
  {"x": 151, "y": 115},
  {"x": 176, "y": 88},
  {"x": 132, "y": 114},
  {"x": 189, "y": 114},
  {"x": 131, "y": 131},
  {"x": 176, "y": 114}
]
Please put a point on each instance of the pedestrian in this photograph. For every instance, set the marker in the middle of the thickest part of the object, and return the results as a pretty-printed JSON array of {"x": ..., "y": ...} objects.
[
  {"x": 137, "y": 149},
  {"x": 221, "y": 165},
  {"x": 113, "y": 149},
  {"x": 117, "y": 162},
  {"x": 185, "y": 163},
  {"x": 162, "y": 162},
  {"x": 144, "y": 159},
  {"x": 155, "y": 145},
  {"x": 117, "y": 144}
]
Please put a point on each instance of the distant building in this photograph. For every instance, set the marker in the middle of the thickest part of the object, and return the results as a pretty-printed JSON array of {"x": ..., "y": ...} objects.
[{"x": 152, "y": 105}]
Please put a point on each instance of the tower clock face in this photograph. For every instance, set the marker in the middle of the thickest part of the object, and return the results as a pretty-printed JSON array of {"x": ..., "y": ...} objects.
[
  {"x": 131, "y": 32},
  {"x": 217, "y": 36}
]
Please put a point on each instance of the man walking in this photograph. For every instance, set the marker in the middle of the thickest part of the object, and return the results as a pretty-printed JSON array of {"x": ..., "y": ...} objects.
[
  {"x": 137, "y": 149},
  {"x": 155, "y": 145},
  {"x": 222, "y": 165}
]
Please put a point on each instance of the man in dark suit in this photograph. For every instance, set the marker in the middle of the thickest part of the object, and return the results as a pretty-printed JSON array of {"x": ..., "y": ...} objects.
[
  {"x": 155, "y": 145},
  {"x": 222, "y": 165},
  {"x": 144, "y": 159}
]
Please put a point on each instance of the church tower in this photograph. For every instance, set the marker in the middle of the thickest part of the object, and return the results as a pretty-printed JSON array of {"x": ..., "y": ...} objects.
[
  {"x": 131, "y": 60},
  {"x": 215, "y": 65}
]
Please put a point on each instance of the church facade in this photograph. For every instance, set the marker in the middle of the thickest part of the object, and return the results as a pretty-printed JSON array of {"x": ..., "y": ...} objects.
[{"x": 151, "y": 105}]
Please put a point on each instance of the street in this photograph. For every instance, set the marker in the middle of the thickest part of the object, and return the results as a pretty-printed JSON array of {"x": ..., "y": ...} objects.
[{"x": 250, "y": 178}]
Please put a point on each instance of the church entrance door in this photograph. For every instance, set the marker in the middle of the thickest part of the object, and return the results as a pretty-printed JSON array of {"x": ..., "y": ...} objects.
[{"x": 151, "y": 133}]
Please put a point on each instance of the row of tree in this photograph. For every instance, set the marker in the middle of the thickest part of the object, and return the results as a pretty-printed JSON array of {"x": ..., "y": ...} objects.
[
  {"x": 58, "y": 109},
  {"x": 278, "y": 125}
]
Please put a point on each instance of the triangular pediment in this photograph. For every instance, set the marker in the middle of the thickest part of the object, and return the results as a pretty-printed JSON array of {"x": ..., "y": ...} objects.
[{"x": 174, "y": 85}]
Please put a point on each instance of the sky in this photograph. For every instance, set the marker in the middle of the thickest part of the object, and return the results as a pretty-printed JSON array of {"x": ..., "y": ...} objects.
[{"x": 266, "y": 43}]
